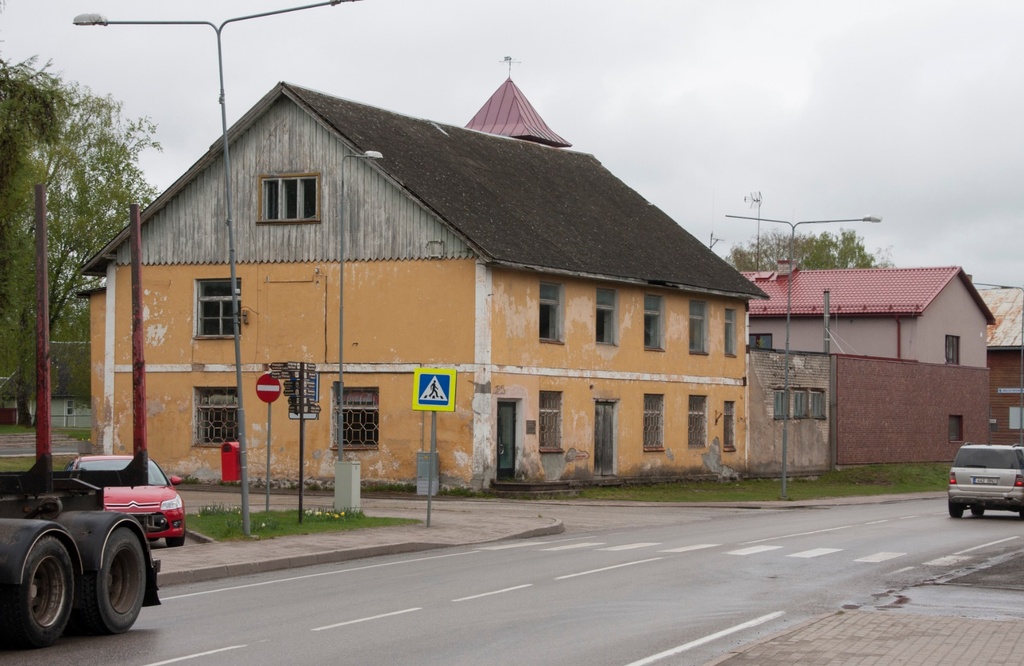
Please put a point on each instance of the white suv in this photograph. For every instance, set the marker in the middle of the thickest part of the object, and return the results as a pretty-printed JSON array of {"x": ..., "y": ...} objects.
[{"x": 986, "y": 476}]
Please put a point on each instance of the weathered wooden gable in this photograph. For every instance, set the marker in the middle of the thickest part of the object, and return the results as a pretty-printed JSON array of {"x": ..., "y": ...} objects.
[{"x": 382, "y": 221}]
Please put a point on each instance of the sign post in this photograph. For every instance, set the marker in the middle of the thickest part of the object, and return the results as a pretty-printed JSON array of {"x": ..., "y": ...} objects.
[
  {"x": 433, "y": 390},
  {"x": 302, "y": 388},
  {"x": 268, "y": 389}
]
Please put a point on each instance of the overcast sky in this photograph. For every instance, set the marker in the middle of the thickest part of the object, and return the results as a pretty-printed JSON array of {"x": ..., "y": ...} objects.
[{"x": 911, "y": 110}]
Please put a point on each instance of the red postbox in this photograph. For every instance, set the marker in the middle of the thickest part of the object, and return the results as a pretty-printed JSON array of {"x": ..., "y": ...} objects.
[{"x": 230, "y": 462}]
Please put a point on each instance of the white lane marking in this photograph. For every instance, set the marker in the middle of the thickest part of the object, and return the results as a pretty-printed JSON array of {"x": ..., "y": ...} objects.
[
  {"x": 876, "y": 522},
  {"x": 985, "y": 545},
  {"x": 316, "y": 575},
  {"x": 196, "y": 656},
  {"x": 367, "y": 619},
  {"x": 902, "y": 570},
  {"x": 799, "y": 534},
  {"x": 487, "y": 594},
  {"x": 571, "y": 546},
  {"x": 947, "y": 560},
  {"x": 753, "y": 550},
  {"x": 515, "y": 545},
  {"x": 816, "y": 552},
  {"x": 617, "y": 566},
  {"x": 631, "y": 546},
  {"x": 707, "y": 639},
  {"x": 906, "y": 517},
  {"x": 879, "y": 557},
  {"x": 686, "y": 549}
]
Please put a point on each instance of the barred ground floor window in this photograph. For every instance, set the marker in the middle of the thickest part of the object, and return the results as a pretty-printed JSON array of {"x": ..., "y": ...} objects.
[
  {"x": 216, "y": 415},
  {"x": 361, "y": 413}
]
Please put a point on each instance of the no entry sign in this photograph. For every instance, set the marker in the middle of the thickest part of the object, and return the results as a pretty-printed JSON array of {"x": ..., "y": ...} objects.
[{"x": 268, "y": 388}]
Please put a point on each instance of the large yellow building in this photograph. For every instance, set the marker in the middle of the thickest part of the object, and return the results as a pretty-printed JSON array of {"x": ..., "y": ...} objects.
[{"x": 592, "y": 336}]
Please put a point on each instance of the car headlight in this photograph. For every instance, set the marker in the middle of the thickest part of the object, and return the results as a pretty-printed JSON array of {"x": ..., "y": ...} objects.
[{"x": 168, "y": 505}]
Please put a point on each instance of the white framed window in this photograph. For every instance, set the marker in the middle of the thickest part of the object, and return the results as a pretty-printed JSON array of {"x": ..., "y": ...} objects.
[
  {"x": 550, "y": 312},
  {"x": 729, "y": 426},
  {"x": 780, "y": 406},
  {"x": 654, "y": 421},
  {"x": 290, "y": 198},
  {"x": 551, "y": 420},
  {"x": 605, "y": 330},
  {"x": 654, "y": 314},
  {"x": 697, "y": 435},
  {"x": 213, "y": 308},
  {"x": 730, "y": 332},
  {"x": 817, "y": 404},
  {"x": 216, "y": 415},
  {"x": 801, "y": 409},
  {"x": 953, "y": 349},
  {"x": 698, "y": 327}
]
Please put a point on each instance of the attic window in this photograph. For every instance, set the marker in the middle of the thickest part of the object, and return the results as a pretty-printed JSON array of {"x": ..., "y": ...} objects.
[{"x": 290, "y": 198}]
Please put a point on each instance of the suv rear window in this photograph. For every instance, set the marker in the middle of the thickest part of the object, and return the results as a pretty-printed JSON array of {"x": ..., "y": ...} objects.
[{"x": 989, "y": 458}]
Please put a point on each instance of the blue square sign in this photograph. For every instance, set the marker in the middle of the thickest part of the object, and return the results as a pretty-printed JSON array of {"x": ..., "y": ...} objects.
[{"x": 433, "y": 390}]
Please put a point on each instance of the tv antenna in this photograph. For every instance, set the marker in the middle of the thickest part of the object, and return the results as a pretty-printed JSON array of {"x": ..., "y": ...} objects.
[
  {"x": 509, "y": 61},
  {"x": 754, "y": 199}
]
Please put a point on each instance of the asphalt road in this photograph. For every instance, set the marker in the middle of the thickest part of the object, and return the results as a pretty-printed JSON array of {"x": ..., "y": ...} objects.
[{"x": 641, "y": 583}]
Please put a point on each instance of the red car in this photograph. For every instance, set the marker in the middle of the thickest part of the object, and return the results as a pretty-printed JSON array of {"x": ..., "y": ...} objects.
[{"x": 157, "y": 506}]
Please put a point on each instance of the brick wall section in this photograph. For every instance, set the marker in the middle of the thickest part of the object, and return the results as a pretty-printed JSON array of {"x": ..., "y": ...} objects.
[
  {"x": 807, "y": 444},
  {"x": 892, "y": 411},
  {"x": 1004, "y": 372}
]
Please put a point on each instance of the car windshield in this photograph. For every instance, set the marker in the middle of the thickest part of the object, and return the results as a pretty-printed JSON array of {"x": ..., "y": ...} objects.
[
  {"x": 989, "y": 458},
  {"x": 156, "y": 475}
]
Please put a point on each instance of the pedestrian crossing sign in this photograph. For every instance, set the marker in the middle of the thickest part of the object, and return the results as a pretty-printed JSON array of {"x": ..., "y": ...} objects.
[{"x": 433, "y": 390}]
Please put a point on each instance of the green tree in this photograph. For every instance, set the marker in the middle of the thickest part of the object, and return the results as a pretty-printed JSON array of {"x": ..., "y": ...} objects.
[
  {"x": 89, "y": 162},
  {"x": 844, "y": 249}
]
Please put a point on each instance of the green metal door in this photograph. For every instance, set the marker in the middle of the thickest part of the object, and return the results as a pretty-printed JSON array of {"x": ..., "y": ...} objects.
[{"x": 506, "y": 439}]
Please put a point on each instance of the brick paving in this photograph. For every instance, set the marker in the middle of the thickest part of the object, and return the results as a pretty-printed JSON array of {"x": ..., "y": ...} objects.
[{"x": 885, "y": 638}]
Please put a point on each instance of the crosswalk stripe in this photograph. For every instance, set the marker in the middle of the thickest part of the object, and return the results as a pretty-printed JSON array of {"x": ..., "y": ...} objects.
[
  {"x": 879, "y": 557},
  {"x": 948, "y": 560},
  {"x": 686, "y": 549},
  {"x": 631, "y": 546},
  {"x": 573, "y": 546},
  {"x": 816, "y": 552},
  {"x": 753, "y": 550},
  {"x": 506, "y": 546}
]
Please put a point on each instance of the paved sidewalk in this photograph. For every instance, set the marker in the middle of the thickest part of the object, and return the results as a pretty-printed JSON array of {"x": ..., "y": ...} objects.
[{"x": 883, "y": 638}]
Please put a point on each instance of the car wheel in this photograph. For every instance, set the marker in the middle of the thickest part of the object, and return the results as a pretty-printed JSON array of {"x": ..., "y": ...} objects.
[
  {"x": 956, "y": 510},
  {"x": 176, "y": 542},
  {"x": 977, "y": 511}
]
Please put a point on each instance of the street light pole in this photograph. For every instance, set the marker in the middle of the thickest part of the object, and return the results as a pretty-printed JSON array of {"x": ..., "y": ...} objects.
[
  {"x": 1020, "y": 386},
  {"x": 368, "y": 155},
  {"x": 99, "y": 19},
  {"x": 789, "y": 310}
]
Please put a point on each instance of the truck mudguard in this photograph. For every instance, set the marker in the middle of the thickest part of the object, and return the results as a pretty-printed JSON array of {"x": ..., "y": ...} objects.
[
  {"x": 19, "y": 535},
  {"x": 91, "y": 529}
]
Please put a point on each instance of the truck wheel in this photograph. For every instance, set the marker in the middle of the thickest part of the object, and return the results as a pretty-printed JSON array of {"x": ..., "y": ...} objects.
[
  {"x": 34, "y": 613},
  {"x": 110, "y": 599}
]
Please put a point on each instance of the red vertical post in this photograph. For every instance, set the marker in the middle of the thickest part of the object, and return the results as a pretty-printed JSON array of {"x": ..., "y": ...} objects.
[
  {"x": 43, "y": 450},
  {"x": 138, "y": 355}
]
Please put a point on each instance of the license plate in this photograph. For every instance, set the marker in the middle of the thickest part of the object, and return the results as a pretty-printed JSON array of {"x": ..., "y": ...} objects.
[{"x": 984, "y": 480}]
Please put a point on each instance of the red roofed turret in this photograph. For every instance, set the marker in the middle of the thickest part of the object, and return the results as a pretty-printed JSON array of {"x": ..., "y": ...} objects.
[{"x": 509, "y": 113}]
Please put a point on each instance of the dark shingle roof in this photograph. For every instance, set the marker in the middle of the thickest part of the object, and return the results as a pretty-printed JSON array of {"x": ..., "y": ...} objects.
[{"x": 519, "y": 203}]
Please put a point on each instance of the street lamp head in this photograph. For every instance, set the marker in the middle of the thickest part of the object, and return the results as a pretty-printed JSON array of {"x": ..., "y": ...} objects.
[
  {"x": 373, "y": 155},
  {"x": 873, "y": 219},
  {"x": 90, "y": 19}
]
